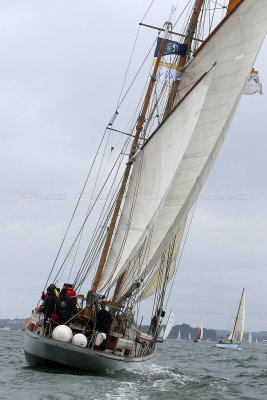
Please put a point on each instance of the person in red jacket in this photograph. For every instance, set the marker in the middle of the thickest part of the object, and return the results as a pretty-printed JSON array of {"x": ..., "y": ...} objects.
[{"x": 70, "y": 291}]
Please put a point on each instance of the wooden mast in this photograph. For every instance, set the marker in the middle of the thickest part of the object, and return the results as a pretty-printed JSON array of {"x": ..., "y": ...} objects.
[
  {"x": 231, "y": 5},
  {"x": 188, "y": 40},
  {"x": 139, "y": 129}
]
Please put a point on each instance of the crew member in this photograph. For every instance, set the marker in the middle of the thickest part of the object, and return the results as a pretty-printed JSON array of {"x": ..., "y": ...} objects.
[
  {"x": 65, "y": 307},
  {"x": 70, "y": 291},
  {"x": 48, "y": 307},
  {"x": 103, "y": 318}
]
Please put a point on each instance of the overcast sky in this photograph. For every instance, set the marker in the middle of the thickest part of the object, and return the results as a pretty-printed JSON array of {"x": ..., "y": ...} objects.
[{"x": 61, "y": 70}]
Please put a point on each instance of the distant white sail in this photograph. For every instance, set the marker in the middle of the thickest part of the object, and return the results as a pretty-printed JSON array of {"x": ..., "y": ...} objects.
[
  {"x": 239, "y": 325},
  {"x": 161, "y": 333},
  {"x": 179, "y": 335},
  {"x": 201, "y": 330},
  {"x": 243, "y": 321},
  {"x": 169, "y": 325}
]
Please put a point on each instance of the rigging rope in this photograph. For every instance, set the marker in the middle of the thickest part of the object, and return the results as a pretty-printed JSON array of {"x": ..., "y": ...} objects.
[
  {"x": 181, "y": 253},
  {"x": 86, "y": 218},
  {"x": 74, "y": 212}
]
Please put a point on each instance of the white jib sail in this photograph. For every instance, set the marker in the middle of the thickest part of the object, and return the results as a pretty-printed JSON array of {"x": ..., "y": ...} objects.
[
  {"x": 155, "y": 283},
  {"x": 170, "y": 171},
  {"x": 201, "y": 330},
  {"x": 153, "y": 171},
  {"x": 169, "y": 325},
  {"x": 243, "y": 320}
]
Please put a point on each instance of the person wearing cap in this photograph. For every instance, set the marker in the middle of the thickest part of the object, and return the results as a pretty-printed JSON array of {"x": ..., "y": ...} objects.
[{"x": 103, "y": 319}]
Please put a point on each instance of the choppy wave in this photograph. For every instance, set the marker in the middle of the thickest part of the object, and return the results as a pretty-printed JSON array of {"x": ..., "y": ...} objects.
[{"x": 180, "y": 370}]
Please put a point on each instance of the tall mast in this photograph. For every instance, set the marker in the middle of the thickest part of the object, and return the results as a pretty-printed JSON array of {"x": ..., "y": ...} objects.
[
  {"x": 188, "y": 40},
  {"x": 231, "y": 5},
  {"x": 139, "y": 128}
]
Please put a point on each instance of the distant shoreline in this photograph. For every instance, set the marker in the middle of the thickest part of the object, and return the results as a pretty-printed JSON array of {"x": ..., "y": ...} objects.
[{"x": 17, "y": 324}]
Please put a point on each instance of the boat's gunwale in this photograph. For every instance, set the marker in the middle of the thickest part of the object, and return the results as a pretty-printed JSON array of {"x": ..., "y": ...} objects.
[{"x": 78, "y": 349}]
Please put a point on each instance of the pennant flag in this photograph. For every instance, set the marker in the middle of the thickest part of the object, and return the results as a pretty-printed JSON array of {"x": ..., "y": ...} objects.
[
  {"x": 168, "y": 72},
  {"x": 253, "y": 84},
  {"x": 171, "y": 47}
]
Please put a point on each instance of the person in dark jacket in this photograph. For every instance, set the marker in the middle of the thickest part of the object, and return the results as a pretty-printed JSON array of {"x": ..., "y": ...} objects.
[
  {"x": 48, "y": 308},
  {"x": 65, "y": 307},
  {"x": 103, "y": 318}
]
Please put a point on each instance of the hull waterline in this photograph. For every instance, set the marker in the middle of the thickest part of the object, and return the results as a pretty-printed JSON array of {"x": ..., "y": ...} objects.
[
  {"x": 226, "y": 345},
  {"x": 42, "y": 351}
]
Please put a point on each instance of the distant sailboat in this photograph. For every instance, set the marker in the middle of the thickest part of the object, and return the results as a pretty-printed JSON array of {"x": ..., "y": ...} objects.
[
  {"x": 169, "y": 325},
  {"x": 236, "y": 336},
  {"x": 164, "y": 333},
  {"x": 189, "y": 336},
  {"x": 199, "y": 334},
  {"x": 249, "y": 338},
  {"x": 161, "y": 333},
  {"x": 179, "y": 335}
]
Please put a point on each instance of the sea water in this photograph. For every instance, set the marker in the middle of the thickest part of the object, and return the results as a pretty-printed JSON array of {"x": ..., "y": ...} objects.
[{"x": 180, "y": 370}]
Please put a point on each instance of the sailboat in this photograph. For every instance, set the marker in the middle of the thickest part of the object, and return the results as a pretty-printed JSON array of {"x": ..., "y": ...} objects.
[
  {"x": 199, "y": 334},
  {"x": 165, "y": 332},
  {"x": 249, "y": 337},
  {"x": 179, "y": 335},
  {"x": 194, "y": 87},
  {"x": 236, "y": 336}
]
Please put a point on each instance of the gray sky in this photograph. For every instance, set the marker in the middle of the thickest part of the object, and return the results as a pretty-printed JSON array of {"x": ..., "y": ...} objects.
[{"x": 62, "y": 66}]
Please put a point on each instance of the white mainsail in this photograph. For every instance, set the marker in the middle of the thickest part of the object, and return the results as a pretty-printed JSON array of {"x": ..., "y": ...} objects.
[
  {"x": 169, "y": 325},
  {"x": 239, "y": 325},
  {"x": 179, "y": 335},
  {"x": 182, "y": 151}
]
